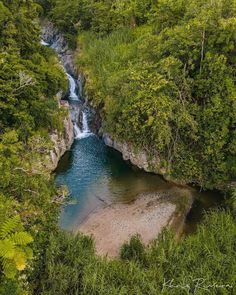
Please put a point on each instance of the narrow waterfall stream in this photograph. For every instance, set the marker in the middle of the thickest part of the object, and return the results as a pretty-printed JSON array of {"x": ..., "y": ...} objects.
[
  {"x": 81, "y": 127},
  {"x": 97, "y": 176},
  {"x": 72, "y": 83}
]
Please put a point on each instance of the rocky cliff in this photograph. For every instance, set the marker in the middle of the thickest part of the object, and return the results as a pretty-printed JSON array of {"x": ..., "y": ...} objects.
[
  {"x": 149, "y": 163},
  {"x": 56, "y": 41},
  {"x": 137, "y": 157},
  {"x": 62, "y": 141}
]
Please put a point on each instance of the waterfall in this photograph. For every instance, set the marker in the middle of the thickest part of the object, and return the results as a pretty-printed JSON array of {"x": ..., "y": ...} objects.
[
  {"x": 84, "y": 131},
  {"x": 77, "y": 131},
  {"x": 85, "y": 123},
  {"x": 73, "y": 95},
  {"x": 44, "y": 43}
]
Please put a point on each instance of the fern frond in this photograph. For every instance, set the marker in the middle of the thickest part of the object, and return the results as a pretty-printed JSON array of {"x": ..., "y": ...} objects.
[
  {"x": 2, "y": 215},
  {"x": 21, "y": 238},
  {"x": 13, "y": 247},
  {"x": 20, "y": 259},
  {"x": 9, "y": 226},
  {"x": 7, "y": 249},
  {"x": 9, "y": 268},
  {"x": 28, "y": 252}
]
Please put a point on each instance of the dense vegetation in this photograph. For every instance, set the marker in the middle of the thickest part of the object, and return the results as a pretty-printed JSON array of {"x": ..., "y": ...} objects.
[
  {"x": 163, "y": 74},
  {"x": 30, "y": 78},
  {"x": 199, "y": 261}
]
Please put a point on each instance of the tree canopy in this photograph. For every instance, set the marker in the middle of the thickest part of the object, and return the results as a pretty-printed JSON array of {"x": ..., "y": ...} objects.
[
  {"x": 167, "y": 85},
  {"x": 30, "y": 78},
  {"x": 162, "y": 75}
]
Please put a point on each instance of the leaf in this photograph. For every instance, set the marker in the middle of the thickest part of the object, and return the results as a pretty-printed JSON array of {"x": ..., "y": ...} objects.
[
  {"x": 9, "y": 226},
  {"x": 28, "y": 252},
  {"x": 21, "y": 238},
  {"x": 7, "y": 249},
  {"x": 20, "y": 260},
  {"x": 9, "y": 269}
]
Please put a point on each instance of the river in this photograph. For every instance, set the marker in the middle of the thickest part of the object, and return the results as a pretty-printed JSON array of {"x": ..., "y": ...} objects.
[{"x": 96, "y": 175}]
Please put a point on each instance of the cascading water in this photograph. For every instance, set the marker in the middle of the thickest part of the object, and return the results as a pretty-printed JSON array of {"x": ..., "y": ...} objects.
[
  {"x": 44, "y": 43},
  {"x": 75, "y": 103},
  {"x": 77, "y": 131},
  {"x": 85, "y": 123},
  {"x": 73, "y": 87},
  {"x": 84, "y": 131}
]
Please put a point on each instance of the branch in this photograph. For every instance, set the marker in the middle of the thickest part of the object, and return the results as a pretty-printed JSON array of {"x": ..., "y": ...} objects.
[
  {"x": 202, "y": 50},
  {"x": 31, "y": 191},
  {"x": 24, "y": 81}
]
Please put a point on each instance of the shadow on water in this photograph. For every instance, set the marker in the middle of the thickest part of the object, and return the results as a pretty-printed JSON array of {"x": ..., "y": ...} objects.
[{"x": 65, "y": 162}]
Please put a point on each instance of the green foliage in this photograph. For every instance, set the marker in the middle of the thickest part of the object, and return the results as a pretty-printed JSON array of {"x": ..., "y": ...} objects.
[
  {"x": 162, "y": 74},
  {"x": 134, "y": 250},
  {"x": 30, "y": 78},
  {"x": 14, "y": 240},
  {"x": 70, "y": 266},
  {"x": 232, "y": 201},
  {"x": 13, "y": 247},
  {"x": 64, "y": 261},
  {"x": 101, "y": 17},
  {"x": 168, "y": 87}
]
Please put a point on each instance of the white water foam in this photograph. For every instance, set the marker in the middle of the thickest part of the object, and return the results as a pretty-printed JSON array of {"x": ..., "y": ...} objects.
[
  {"x": 77, "y": 131},
  {"x": 85, "y": 123},
  {"x": 85, "y": 132},
  {"x": 44, "y": 43},
  {"x": 73, "y": 95}
]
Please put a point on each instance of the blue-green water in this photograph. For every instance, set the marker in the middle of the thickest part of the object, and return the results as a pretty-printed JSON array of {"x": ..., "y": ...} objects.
[{"x": 96, "y": 174}]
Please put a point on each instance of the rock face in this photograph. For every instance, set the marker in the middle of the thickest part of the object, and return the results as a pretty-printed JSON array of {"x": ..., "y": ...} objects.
[
  {"x": 151, "y": 164},
  {"x": 56, "y": 41},
  {"x": 137, "y": 157},
  {"x": 62, "y": 141}
]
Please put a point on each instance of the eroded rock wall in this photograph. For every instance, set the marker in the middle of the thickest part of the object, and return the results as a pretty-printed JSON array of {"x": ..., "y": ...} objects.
[
  {"x": 62, "y": 141},
  {"x": 137, "y": 157}
]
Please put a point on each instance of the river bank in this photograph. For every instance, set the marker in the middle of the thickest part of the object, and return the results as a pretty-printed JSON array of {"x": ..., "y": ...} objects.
[{"x": 147, "y": 216}]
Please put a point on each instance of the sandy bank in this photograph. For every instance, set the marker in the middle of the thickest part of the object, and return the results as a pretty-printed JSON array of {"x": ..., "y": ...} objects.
[{"x": 113, "y": 225}]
